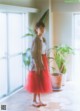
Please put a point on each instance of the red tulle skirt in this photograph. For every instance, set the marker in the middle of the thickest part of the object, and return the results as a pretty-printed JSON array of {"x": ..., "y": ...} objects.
[{"x": 39, "y": 83}]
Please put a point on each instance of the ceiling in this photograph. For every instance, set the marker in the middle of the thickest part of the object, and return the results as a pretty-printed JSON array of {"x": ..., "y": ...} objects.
[
  {"x": 25, "y": 3},
  {"x": 28, "y": 3}
]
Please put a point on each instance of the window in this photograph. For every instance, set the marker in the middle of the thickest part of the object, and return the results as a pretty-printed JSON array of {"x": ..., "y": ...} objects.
[
  {"x": 3, "y": 56},
  {"x": 13, "y": 27},
  {"x": 76, "y": 44}
]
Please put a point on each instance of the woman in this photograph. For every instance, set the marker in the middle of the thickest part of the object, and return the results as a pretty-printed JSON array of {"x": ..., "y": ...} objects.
[{"x": 38, "y": 80}]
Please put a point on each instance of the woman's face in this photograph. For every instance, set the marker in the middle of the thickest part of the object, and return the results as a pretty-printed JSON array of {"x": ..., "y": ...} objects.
[{"x": 40, "y": 30}]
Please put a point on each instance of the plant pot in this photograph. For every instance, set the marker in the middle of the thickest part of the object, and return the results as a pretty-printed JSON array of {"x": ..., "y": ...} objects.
[{"x": 56, "y": 80}]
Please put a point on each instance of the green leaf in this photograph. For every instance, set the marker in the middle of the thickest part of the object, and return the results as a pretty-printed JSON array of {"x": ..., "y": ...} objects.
[
  {"x": 27, "y": 57},
  {"x": 28, "y": 35},
  {"x": 61, "y": 53},
  {"x": 44, "y": 16}
]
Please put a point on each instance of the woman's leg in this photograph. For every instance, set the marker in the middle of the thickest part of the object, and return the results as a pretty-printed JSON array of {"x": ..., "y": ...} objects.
[
  {"x": 34, "y": 97},
  {"x": 40, "y": 102},
  {"x": 39, "y": 97},
  {"x": 35, "y": 103}
]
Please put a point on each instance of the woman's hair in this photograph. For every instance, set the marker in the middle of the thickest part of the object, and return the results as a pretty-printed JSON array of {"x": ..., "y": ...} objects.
[{"x": 39, "y": 24}]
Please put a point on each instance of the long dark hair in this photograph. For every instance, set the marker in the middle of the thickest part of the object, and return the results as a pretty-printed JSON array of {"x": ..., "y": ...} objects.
[{"x": 40, "y": 24}]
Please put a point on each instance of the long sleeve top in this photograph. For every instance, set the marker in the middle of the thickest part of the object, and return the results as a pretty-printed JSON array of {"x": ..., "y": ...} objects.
[{"x": 38, "y": 48}]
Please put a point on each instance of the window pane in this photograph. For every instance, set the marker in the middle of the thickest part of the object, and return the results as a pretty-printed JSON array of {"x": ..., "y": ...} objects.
[
  {"x": 15, "y": 32},
  {"x": 3, "y": 51},
  {"x": 3, "y": 77},
  {"x": 76, "y": 57},
  {"x": 15, "y": 72},
  {"x": 3, "y": 34},
  {"x": 26, "y": 29}
]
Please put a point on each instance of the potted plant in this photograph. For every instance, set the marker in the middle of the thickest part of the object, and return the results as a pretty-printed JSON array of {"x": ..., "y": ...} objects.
[{"x": 61, "y": 52}]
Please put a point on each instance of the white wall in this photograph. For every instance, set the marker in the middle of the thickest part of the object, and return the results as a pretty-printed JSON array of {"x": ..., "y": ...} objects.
[
  {"x": 62, "y": 26},
  {"x": 62, "y": 18},
  {"x": 60, "y": 5},
  {"x": 63, "y": 33}
]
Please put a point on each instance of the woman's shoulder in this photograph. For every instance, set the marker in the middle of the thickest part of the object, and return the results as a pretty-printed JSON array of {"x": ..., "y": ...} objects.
[{"x": 36, "y": 39}]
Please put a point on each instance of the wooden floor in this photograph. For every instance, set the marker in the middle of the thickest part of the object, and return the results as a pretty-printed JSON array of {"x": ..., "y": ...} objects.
[{"x": 66, "y": 100}]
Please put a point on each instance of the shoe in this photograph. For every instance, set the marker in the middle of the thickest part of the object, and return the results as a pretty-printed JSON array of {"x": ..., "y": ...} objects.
[
  {"x": 42, "y": 104},
  {"x": 35, "y": 104}
]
